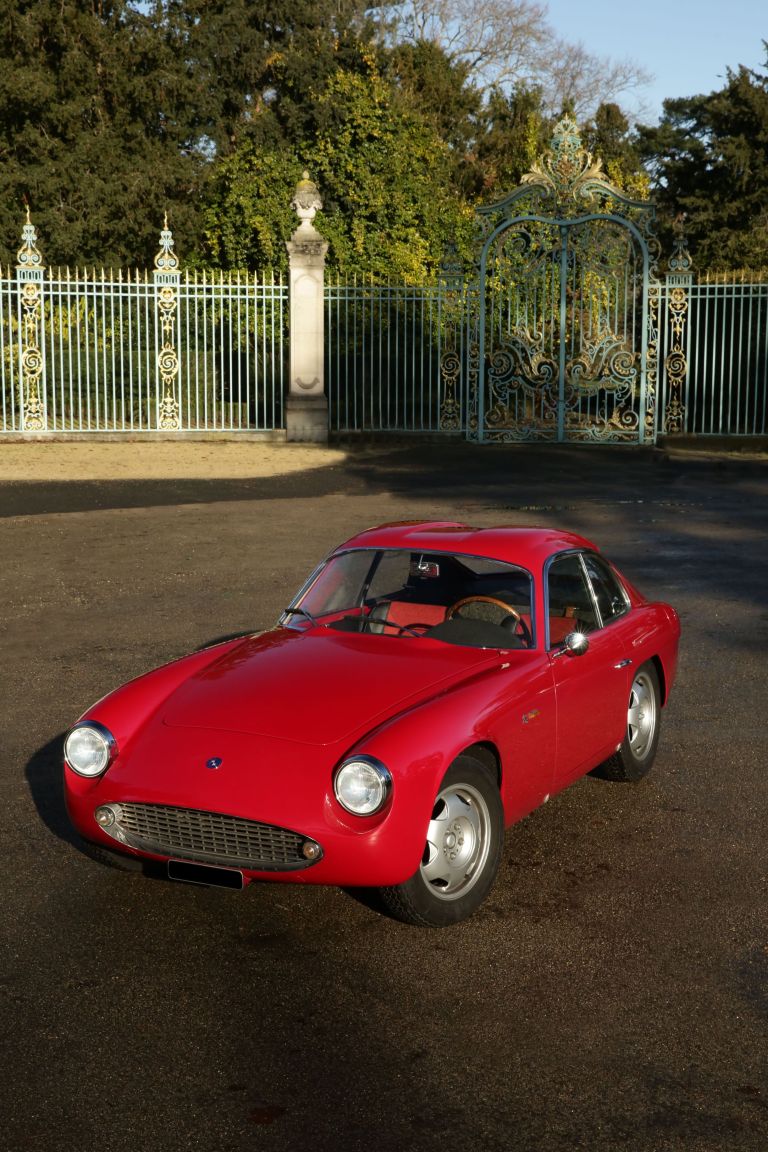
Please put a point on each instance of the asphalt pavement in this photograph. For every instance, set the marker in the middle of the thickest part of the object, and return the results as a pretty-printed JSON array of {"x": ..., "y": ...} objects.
[{"x": 612, "y": 994}]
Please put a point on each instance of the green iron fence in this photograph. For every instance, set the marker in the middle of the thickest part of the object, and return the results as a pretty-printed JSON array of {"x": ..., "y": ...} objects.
[
  {"x": 393, "y": 356},
  {"x": 86, "y": 352},
  {"x": 398, "y": 358},
  {"x": 108, "y": 352},
  {"x": 714, "y": 380}
]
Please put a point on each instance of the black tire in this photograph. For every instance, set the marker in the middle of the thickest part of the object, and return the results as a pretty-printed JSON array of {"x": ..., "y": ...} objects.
[
  {"x": 462, "y": 852},
  {"x": 637, "y": 753}
]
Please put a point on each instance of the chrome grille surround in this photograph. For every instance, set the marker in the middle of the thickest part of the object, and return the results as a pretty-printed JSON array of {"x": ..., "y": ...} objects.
[{"x": 207, "y": 837}]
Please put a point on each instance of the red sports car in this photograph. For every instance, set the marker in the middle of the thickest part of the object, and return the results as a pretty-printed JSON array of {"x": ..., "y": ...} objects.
[{"x": 429, "y": 685}]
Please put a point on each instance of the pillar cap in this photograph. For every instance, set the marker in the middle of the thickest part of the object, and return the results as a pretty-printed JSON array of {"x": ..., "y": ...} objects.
[{"x": 307, "y": 200}]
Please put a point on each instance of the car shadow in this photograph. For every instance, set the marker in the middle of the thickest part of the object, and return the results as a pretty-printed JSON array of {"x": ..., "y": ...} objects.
[
  {"x": 369, "y": 898},
  {"x": 44, "y": 775}
]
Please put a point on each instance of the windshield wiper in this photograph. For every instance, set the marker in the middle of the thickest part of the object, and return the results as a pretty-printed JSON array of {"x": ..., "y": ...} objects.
[{"x": 301, "y": 612}]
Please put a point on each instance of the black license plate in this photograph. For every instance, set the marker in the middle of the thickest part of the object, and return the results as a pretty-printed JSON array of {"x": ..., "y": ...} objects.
[{"x": 207, "y": 874}]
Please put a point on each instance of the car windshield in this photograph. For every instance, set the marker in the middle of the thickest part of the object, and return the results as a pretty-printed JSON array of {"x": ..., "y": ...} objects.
[{"x": 466, "y": 600}]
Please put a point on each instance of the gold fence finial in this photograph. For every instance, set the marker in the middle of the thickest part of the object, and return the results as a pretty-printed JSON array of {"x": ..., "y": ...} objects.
[
  {"x": 28, "y": 256},
  {"x": 166, "y": 259}
]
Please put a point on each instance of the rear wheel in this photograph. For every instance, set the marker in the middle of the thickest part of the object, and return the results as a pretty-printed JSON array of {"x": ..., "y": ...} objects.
[
  {"x": 637, "y": 753},
  {"x": 461, "y": 854}
]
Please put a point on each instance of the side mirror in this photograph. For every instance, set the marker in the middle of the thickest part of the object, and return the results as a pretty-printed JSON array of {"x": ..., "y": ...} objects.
[{"x": 576, "y": 643}]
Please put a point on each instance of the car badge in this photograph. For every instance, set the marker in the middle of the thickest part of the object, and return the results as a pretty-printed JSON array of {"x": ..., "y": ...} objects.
[{"x": 214, "y": 762}]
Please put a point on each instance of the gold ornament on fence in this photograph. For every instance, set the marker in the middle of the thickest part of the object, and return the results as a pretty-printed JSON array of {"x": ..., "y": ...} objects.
[
  {"x": 29, "y": 275},
  {"x": 166, "y": 283},
  {"x": 676, "y": 361}
]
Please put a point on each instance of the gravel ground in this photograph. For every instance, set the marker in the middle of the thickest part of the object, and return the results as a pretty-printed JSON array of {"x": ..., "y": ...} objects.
[{"x": 610, "y": 995}]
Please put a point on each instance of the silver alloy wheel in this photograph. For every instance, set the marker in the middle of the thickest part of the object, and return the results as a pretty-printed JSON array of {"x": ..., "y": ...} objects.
[
  {"x": 458, "y": 842},
  {"x": 641, "y": 715}
]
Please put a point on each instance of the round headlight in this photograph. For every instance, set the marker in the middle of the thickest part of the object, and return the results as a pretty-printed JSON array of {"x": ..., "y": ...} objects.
[
  {"x": 89, "y": 748},
  {"x": 362, "y": 785}
]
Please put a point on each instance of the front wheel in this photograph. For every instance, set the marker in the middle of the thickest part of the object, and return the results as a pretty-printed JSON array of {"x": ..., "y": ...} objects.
[
  {"x": 637, "y": 751},
  {"x": 461, "y": 854}
]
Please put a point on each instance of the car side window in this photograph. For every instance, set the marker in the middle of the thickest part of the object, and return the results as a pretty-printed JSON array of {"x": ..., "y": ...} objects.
[
  {"x": 391, "y": 575},
  {"x": 571, "y": 607},
  {"x": 609, "y": 594}
]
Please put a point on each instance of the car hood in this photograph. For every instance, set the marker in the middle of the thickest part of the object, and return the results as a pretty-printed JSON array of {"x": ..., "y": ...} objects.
[{"x": 318, "y": 686}]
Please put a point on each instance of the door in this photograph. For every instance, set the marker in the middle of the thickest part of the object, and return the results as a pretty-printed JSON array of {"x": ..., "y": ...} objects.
[{"x": 591, "y": 690}]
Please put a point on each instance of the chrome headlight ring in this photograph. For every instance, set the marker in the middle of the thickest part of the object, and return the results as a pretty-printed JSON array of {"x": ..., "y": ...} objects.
[
  {"x": 89, "y": 748},
  {"x": 362, "y": 785}
]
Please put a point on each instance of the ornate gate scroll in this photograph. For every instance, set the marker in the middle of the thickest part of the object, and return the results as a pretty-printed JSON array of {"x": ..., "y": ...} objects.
[{"x": 563, "y": 342}]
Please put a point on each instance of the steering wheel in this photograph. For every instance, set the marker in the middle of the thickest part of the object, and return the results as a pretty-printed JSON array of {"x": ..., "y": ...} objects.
[
  {"x": 509, "y": 613},
  {"x": 404, "y": 629},
  {"x": 400, "y": 629},
  {"x": 410, "y": 629}
]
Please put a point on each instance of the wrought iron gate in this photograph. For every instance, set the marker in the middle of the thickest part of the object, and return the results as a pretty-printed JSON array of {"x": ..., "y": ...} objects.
[{"x": 563, "y": 328}]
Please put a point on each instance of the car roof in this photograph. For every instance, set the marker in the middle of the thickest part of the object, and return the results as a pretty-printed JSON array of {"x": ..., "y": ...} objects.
[{"x": 527, "y": 547}]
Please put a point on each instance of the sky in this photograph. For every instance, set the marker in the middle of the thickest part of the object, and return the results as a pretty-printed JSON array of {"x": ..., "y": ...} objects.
[{"x": 686, "y": 44}]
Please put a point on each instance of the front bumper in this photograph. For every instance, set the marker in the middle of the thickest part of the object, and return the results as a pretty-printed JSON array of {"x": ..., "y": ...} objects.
[{"x": 256, "y": 811}]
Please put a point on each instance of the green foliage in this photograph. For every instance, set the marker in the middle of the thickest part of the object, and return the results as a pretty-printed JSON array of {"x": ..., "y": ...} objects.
[
  {"x": 709, "y": 160},
  {"x": 384, "y": 175},
  {"x": 440, "y": 90},
  {"x": 114, "y": 112},
  {"x": 514, "y": 133},
  {"x": 248, "y": 216}
]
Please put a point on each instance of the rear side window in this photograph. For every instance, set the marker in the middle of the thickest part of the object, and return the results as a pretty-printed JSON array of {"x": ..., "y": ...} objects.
[{"x": 609, "y": 594}]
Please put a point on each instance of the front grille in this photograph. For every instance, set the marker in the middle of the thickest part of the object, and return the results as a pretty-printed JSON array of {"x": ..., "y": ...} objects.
[{"x": 210, "y": 837}]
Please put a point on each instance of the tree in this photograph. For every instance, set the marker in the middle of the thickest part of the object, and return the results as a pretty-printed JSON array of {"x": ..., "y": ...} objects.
[
  {"x": 97, "y": 130},
  {"x": 515, "y": 132},
  {"x": 248, "y": 215},
  {"x": 709, "y": 160},
  {"x": 608, "y": 137},
  {"x": 384, "y": 175},
  {"x": 440, "y": 89},
  {"x": 112, "y": 111},
  {"x": 496, "y": 40},
  {"x": 493, "y": 141},
  {"x": 576, "y": 80},
  {"x": 507, "y": 44}
]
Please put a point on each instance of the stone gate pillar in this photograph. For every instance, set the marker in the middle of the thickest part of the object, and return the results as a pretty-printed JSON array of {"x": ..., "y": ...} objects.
[{"x": 306, "y": 407}]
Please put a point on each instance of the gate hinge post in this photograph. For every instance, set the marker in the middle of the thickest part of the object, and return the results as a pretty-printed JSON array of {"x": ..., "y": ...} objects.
[{"x": 678, "y": 284}]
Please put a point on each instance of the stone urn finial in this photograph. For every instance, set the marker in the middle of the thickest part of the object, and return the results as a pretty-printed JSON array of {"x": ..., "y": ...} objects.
[{"x": 306, "y": 202}]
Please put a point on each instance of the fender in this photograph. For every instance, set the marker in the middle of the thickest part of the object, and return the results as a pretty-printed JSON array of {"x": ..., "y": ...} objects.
[
  {"x": 127, "y": 709},
  {"x": 419, "y": 745}
]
